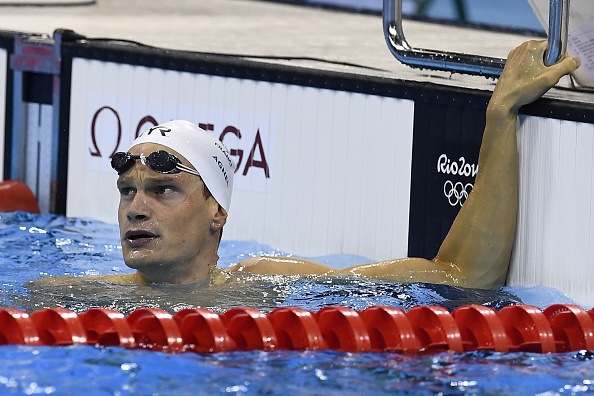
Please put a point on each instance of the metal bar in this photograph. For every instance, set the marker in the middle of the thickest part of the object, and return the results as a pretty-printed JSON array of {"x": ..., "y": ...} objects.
[
  {"x": 464, "y": 63},
  {"x": 558, "y": 30}
]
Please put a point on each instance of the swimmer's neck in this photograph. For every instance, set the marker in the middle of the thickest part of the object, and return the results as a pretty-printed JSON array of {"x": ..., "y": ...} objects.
[{"x": 215, "y": 276}]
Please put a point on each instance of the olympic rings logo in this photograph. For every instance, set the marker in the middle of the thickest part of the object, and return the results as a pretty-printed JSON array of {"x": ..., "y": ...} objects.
[{"x": 456, "y": 193}]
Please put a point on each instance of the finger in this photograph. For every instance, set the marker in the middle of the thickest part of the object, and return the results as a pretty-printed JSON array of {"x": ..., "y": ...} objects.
[{"x": 567, "y": 66}]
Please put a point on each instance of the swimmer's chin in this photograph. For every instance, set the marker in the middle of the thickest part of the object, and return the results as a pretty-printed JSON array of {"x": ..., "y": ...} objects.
[{"x": 218, "y": 276}]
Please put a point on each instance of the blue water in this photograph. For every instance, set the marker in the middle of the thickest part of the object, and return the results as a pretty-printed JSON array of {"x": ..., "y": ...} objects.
[
  {"x": 42, "y": 245},
  {"x": 116, "y": 371}
]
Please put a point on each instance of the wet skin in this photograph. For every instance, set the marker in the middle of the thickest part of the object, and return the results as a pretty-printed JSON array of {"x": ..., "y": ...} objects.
[{"x": 168, "y": 229}]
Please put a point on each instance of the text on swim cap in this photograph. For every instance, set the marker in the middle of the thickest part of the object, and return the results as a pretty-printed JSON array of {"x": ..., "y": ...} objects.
[
  {"x": 222, "y": 168},
  {"x": 224, "y": 151}
]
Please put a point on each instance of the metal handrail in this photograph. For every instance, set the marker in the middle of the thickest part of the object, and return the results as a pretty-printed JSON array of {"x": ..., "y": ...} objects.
[
  {"x": 465, "y": 63},
  {"x": 558, "y": 31}
]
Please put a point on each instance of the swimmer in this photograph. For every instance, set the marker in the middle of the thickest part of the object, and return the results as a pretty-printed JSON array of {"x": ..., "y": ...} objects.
[{"x": 175, "y": 186}]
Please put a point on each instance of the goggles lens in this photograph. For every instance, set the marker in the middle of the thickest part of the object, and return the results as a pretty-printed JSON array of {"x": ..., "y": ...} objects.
[{"x": 159, "y": 161}]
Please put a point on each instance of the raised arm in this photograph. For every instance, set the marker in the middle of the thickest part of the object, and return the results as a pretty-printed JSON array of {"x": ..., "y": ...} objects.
[
  {"x": 481, "y": 239},
  {"x": 476, "y": 252}
]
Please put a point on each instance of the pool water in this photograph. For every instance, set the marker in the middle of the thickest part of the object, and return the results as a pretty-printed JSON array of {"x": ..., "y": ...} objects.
[{"x": 49, "y": 245}]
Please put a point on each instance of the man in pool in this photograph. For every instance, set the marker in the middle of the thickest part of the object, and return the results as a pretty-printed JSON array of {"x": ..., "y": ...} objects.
[{"x": 175, "y": 186}]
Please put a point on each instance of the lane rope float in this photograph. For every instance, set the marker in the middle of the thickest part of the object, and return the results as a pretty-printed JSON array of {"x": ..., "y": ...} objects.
[{"x": 420, "y": 330}]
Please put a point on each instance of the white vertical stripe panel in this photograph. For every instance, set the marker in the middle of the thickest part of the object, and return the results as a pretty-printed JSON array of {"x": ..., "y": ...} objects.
[
  {"x": 321, "y": 187},
  {"x": 201, "y": 87},
  {"x": 157, "y": 91},
  {"x": 230, "y": 103},
  {"x": 397, "y": 126},
  {"x": 260, "y": 94},
  {"x": 535, "y": 181},
  {"x": 3, "y": 71},
  {"x": 249, "y": 124},
  {"x": 355, "y": 201},
  {"x": 552, "y": 228},
  {"x": 274, "y": 206},
  {"x": 169, "y": 96},
  {"x": 308, "y": 165},
  {"x": 371, "y": 185},
  {"x": 216, "y": 102},
  {"x": 527, "y": 151},
  {"x": 338, "y": 182},
  {"x": 565, "y": 205},
  {"x": 290, "y": 158},
  {"x": 582, "y": 211},
  {"x": 553, "y": 242},
  {"x": 185, "y": 98}
]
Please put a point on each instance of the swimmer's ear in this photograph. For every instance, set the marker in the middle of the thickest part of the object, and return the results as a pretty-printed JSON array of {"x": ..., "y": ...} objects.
[{"x": 219, "y": 219}]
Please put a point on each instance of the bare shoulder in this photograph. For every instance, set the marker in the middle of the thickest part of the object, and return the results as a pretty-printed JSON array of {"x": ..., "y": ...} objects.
[
  {"x": 57, "y": 280},
  {"x": 266, "y": 265},
  {"x": 69, "y": 280}
]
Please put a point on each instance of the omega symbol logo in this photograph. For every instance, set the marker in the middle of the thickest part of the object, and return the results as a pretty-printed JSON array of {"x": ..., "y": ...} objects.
[{"x": 456, "y": 193}]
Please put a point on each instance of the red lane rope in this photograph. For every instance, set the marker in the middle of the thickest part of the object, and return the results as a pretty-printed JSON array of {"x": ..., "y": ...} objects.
[{"x": 422, "y": 329}]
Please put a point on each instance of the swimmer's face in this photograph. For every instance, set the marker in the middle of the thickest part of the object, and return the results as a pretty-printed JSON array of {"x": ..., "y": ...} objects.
[{"x": 168, "y": 227}]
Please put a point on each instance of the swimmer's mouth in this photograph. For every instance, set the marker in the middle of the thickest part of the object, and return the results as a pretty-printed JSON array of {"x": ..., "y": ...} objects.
[{"x": 138, "y": 235}]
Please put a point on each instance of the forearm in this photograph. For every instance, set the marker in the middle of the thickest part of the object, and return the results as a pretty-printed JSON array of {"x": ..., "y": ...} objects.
[{"x": 481, "y": 239}]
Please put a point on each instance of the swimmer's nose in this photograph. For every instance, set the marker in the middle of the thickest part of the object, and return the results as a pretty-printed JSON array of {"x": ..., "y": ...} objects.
[
  {"x": 136, "y": 216},
  {"x": 138, "y": 209}
]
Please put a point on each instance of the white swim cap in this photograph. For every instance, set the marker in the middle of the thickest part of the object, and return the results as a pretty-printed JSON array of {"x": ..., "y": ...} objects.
[{"x": 206, "y": 154}]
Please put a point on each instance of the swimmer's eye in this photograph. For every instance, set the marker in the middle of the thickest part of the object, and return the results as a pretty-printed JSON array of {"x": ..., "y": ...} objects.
[
  {"x": 127, "y": 191},
  {"x": 164, "y": 190}
]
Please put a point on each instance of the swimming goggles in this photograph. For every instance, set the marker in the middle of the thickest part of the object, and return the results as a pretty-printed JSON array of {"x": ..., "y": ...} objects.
[{"x": 159, "y": 161}]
